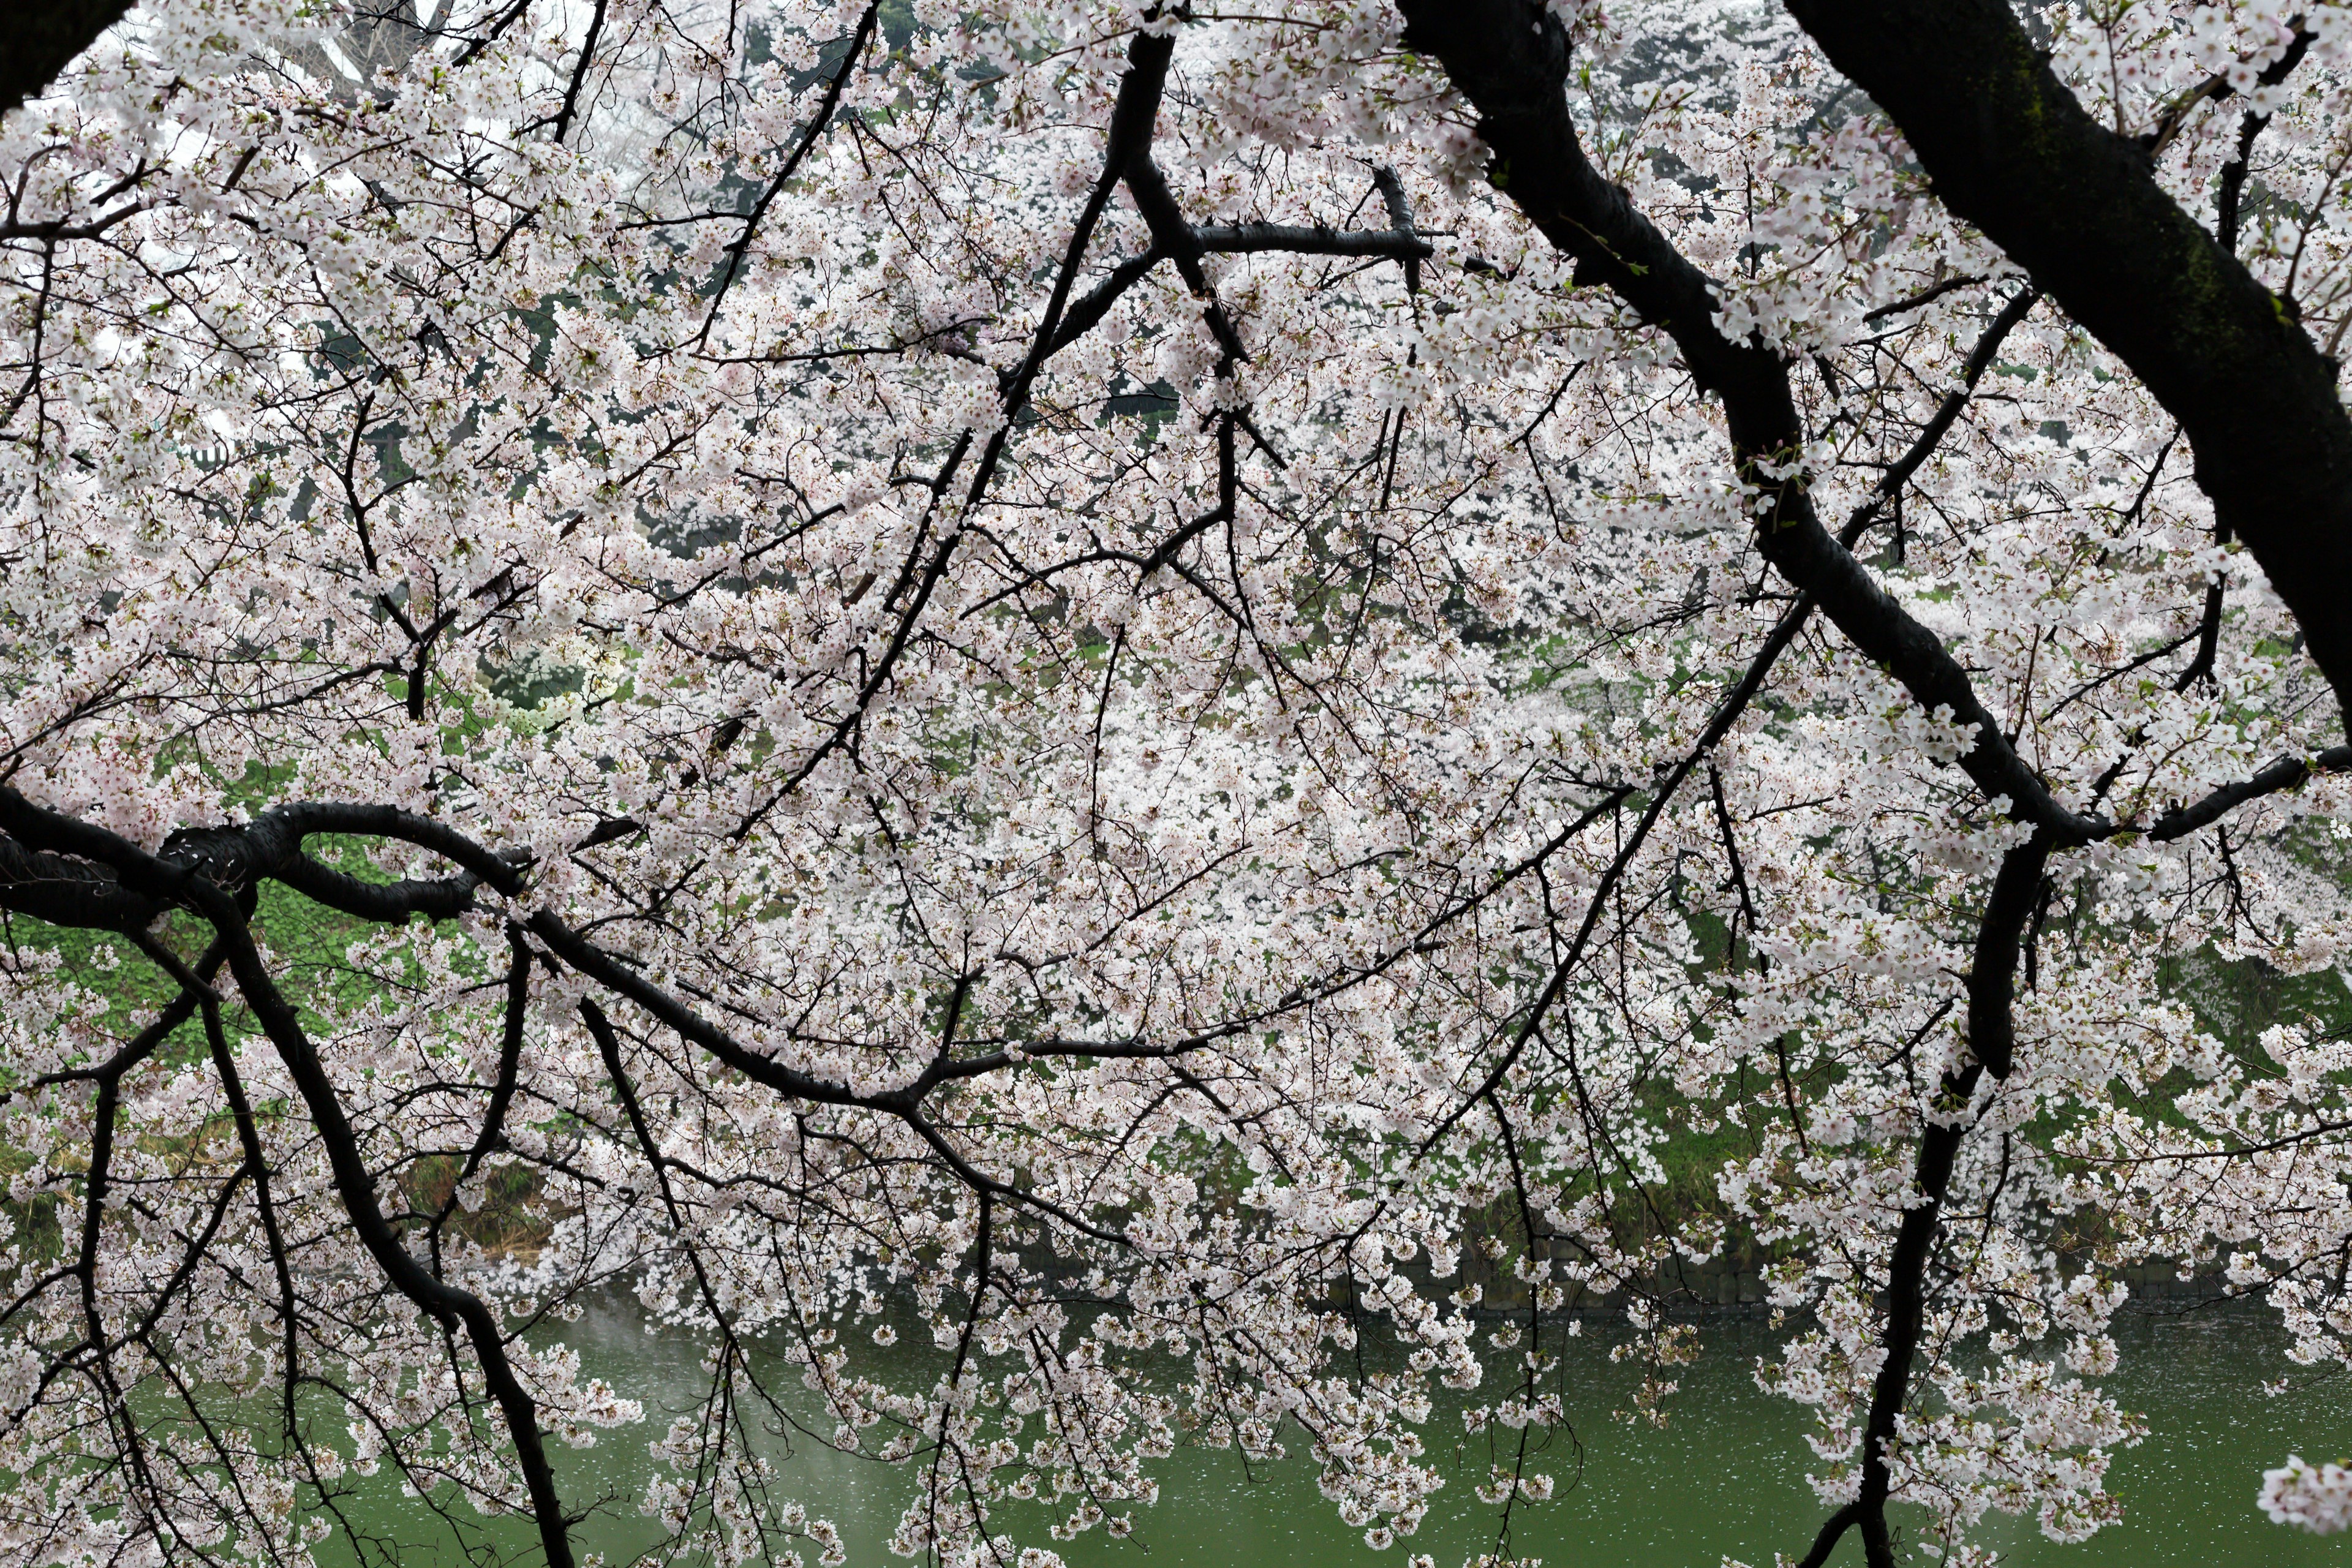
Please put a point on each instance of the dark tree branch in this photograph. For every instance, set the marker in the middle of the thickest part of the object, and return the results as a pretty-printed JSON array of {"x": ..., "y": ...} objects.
[
  {"x": 1087, "y": 311},
  {"x": 608, "y": 1045},
  {"x": 1925, "y": 296},
  {"x": 1173, "y": 233},
  {"x": 1939, "y": 424},
  {"x": 1393, "y": 197},
  {"x": 176, "y": 1011},
  {"x": 355, "y": 1187},
  {"x": 189, "y": 882},
  {"x": 75, "y": 881},
  {"x": 390, "y": 904},
  {"x": 503, "y": 1091},
  {"x": 619, "y": 978},
  {"x": 1992, "y": 975},
  {"x": 1727, "y": 715},
  {"x": 858, "y": 38},
  {"x": 2217, "y": 88},
  {"x": 2208, "y": 629},
  {"x": 1510, "y": 58},
  {"x": 1134, "y": 113},
  {"x": 1832, "y": 1531},
  {"x": 1397, "y": 244},
  {"x": 564, "y": 116},
  {"x": 68, "y": 890},
  {"x": 1991, "y": 1027},
  {"x": 256, "y": 1160},
  {"x": 2283, "y": 774}
]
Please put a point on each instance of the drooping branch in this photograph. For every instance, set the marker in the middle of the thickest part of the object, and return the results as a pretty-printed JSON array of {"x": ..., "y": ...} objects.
[
  {"x": 97, "y": 1346},
  {"x": 1510, "y": 59},
  {"x": 355, "y": 1188},
  {"x": 616, "y": 1071},
  {"x": 188, "y": 881},
  {"x": 1991, "y": 1034}
]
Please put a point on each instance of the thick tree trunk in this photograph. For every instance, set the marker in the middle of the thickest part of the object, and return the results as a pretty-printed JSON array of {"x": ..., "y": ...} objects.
[
  {"x": 42, "y": 39},
  {"x": 2012, "y": 151}
]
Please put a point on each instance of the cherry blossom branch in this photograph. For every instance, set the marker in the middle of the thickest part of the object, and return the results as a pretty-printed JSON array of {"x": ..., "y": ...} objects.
[
  {"x": 96, "y": 1189},
  {"x": 2209, "y": 629},
  {"x": 257, "y": 1160},
  {"x": 1509, "y": 58},
  {"x": 1747, "y": 912},
  {"x": 1314, "y": 845},
  {"x": 1087, "y": 312},
  {"x": 2219, "y": 89},
  {"x": 1927, "y": 296},
  {"x": 1727, "y": 714},
  {"x": 502, "y": 1089},
  {"x": 2283, "y": 774},
  {"x": 1395, "y": 244},
  {"x": 608, "y": 1046},
  {"x": 860, "y": 36},
  {"x": 1931, "y": 435},
  {"x": 1173, "y": 233},
  {"x": 140, "y": 1046},
  {"x": 562, "y": 123},
  {"x": 1128, "y": 139},
  {"x": 355, "y": 1186}
]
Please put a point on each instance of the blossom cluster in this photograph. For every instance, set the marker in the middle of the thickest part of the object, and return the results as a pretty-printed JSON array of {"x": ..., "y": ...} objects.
[{"x": 1074, "y": 585}]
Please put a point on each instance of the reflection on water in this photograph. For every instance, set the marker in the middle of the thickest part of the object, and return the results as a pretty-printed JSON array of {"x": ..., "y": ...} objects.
[{"x": 1723, "y": 1478}]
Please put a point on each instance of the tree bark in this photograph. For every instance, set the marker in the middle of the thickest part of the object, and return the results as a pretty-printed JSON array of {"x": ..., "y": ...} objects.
[
  {"x": 44, "y": 37},
  {"x": 2010, "y": 149}
]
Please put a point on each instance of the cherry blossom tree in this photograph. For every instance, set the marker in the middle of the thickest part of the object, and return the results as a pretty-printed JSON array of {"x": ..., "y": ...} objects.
[{"x": 1167, "y": 698}]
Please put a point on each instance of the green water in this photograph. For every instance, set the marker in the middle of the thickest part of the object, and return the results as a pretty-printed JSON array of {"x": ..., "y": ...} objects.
[{"x": 1725, "y": 1476}]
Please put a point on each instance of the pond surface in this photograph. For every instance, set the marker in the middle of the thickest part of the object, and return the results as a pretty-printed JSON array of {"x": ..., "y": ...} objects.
[{"x": 1723, "y": 1478}]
